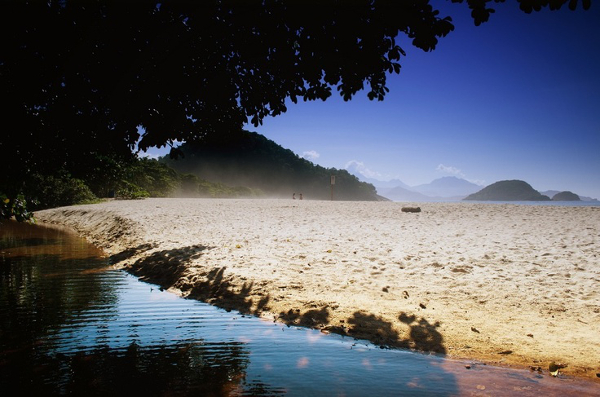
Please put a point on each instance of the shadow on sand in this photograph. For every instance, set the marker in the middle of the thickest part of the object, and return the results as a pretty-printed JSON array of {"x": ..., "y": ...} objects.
[
  {"x": 168, "y": 268},
  {"x": 418, "y": 375}
]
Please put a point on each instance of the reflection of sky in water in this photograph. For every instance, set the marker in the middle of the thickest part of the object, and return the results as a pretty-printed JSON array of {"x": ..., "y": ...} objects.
[
  {"x": 298, "y": 360},
  {"x": 142, "y": 313},
  {"x": 304, "y": 361},
  {"x": 110, "y": 320}
]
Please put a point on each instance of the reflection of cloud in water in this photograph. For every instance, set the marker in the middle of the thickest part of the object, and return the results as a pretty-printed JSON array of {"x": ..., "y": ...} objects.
[
  {"x": 367, "y": 364},
  {"x": 244, "y": 339},
  {"x": 413, "y": 383},
  {"x": 268, "y": 332},
  {"x": 302, "y": 362},
  {"x": 313, "y": 337}
]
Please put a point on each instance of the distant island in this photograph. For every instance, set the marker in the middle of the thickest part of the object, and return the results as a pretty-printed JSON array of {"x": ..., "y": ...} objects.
[
  {"x": 566, "y": 196},
  {"x": 513, "y": 190}
]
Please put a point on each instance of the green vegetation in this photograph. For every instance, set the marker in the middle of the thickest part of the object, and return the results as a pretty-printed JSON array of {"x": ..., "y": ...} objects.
[
  {"x": 514, "y": 190},
  {"x": 137, "y": 179},
  {"x": 16, "y": 207},
  {"x": 249, "y": 159},
  {"x": 45, "y": 191},
  {"x": 58, "y": 191},
  {"x": 219, "y": 190},
  {"x": 151, "y": 178}
]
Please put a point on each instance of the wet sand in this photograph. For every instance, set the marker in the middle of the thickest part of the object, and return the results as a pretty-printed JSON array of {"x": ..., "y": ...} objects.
[{"x": 503, "y": 284}]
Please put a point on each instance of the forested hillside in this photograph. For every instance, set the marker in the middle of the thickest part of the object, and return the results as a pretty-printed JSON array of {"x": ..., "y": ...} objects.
[{"x": 249, "y": 159}]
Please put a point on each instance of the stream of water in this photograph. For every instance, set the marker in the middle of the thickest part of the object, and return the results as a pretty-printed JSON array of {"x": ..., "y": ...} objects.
[{"x": 70, "y": 324}]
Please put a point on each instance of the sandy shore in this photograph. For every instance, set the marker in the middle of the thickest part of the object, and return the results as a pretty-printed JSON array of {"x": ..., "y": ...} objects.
[{"x": 504, "y": 284}]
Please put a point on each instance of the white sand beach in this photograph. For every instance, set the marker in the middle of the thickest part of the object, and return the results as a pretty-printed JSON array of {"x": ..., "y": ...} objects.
[{"x": 504, "y": 284}]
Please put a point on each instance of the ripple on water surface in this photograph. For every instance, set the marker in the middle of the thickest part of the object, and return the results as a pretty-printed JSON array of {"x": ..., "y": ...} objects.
[{"x": 70, "y": 324}]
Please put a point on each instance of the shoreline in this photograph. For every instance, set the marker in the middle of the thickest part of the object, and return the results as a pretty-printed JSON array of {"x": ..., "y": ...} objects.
[{"x": 503, "y": 284}]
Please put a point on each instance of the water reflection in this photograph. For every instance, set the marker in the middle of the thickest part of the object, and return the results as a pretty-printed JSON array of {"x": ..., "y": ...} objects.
[
  {"x": 38, "y": 284},
  {"x": 71, "y": 325}
]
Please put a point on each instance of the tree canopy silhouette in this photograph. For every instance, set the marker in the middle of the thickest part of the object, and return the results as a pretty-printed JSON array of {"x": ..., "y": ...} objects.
[{"x": 80, "y": 77}]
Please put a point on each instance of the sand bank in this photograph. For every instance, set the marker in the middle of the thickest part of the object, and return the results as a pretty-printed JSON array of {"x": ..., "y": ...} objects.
[{"x": 505, "y": 284}]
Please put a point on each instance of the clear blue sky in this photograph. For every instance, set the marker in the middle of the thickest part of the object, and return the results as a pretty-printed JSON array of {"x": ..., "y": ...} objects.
[{"x": 515, "y": 98}]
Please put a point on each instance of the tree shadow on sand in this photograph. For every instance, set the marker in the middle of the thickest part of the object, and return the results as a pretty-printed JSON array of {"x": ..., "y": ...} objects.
[
  {"x": 217, "y": 289},
  {"x": 217, "y": 286},
  {"x": 422, "y": 335},
  {"x": 130, "y": 253},
  {"x": 164, "y": 268},
  {"x": 169, "y": 268},
  {"x": 313, "y": 318}
]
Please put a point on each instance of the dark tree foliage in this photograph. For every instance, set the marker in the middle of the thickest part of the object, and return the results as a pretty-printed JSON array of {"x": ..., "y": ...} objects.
[
  {"x": 78, "y": 77},
  {"x": 481, "y": 12}
]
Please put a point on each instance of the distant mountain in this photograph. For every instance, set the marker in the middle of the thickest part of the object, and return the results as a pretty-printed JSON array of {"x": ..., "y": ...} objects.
[
  {"x": 249, "y": 159},
  {"x": 355, "y": 170},
  {"x": 442, "y": 189},
  {"x": 449, "y": 186},
  {"x": 401, "y": 194},
  {"x": 550, "y": 193},
  {"x": 565, "y": 196},
  {"x": 513, "y": 190},
  {"x": 386, "y": 184},
  {"x": 584, "y": 198}
]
